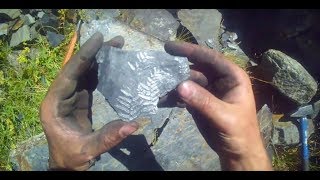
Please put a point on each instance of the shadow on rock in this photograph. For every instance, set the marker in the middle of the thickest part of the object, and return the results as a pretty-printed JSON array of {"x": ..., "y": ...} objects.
[{"x": 137, "y": 155}]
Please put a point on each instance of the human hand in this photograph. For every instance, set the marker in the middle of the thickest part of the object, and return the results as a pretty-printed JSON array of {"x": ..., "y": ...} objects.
[
  {"x": 224, "y": 112},
  {"x": 66, "y": 112}
]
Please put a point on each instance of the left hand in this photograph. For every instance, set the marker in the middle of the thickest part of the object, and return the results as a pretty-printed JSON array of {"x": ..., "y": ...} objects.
[{"x": 65, "y": 113}]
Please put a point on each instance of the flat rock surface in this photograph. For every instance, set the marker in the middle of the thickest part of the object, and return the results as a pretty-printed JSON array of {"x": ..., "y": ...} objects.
[
  {"x": 11, "y": 13},
  {"x": 204, "y": 24},
  {"x": 156, "y": 22},
  {"x": 22, "y": 35}
]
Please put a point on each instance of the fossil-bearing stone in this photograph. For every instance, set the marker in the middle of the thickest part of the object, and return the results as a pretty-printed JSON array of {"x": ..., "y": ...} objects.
[{"x": 133, "y": 81}]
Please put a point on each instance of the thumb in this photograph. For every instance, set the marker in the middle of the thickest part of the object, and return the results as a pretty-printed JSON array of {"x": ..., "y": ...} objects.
[
  {"x": 110, "y": 135},
  {"x": 200, "y": 99}
]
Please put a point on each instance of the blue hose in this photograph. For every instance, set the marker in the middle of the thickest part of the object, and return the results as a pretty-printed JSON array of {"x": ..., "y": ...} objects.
[{"x": 304, "y": 140}]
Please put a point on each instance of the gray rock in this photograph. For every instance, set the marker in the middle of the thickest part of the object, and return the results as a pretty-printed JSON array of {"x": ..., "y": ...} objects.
[
  {"x": 13, "y": 59},
  {"x": 110, "y": 28},
  {"x": 54, "y": 38},
  {"x": 288, "y": 76},
  {"x": 265, "y": 122},
  {"x": 22, "y": 35},
  {"x": 40, "y": 14},
  {"x": 31, "y": 155},
  {"x": 11, "y": 13},
  {"x": 133, "y": 81},
  {"x": 34, "y": 53},
  {"x": 3, "y": 29},
  {"x": 33, "y": 30},
  {"x": 303, "y": 111},
  {"x": 49, "y": 20},
  {"x": 286, "y": 133},
  {"x": 91, "y": 14},
  {"x": 204, "y": 24},
  {"x": 107, "y": 13},
  {"x": 28, "y": 19},
  {"x": 316, "y": 109},
  {"x": 156, "y": 22},
  {"x": 175, "y": 127}
]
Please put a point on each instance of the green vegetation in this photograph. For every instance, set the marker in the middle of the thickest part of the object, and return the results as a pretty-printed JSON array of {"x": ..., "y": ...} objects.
[{"x": 23, "y": 87}]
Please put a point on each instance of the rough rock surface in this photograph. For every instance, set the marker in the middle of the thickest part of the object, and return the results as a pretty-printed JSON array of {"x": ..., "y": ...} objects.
[
  {"x": 3, "y": 29},
  {"x": 133, "y": 81},
  {"x": 288, "y": 76},
  {"x": 156, "y": 22},
  {"x": 54, "y": 38},
  {"x": 287, "y": 132},
  {"x": 28, "y": 19},
  {"x": 22, "y": 35},
  {"x": 11, "y": 13},
  {"x": 264, "y": 116},
  {"x": 204, "y": 24}
]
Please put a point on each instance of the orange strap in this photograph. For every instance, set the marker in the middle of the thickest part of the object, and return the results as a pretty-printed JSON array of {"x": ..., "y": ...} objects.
[{"x": 70, "y": 48}]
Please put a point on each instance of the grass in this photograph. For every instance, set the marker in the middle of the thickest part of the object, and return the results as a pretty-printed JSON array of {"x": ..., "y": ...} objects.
[
  {"x": 23, "y": 88},
  {"x": 288, "y": 158}
]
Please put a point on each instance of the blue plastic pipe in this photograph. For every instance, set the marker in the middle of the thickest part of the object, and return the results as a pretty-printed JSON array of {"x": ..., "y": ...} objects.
[{"x": 304, "y": 140}]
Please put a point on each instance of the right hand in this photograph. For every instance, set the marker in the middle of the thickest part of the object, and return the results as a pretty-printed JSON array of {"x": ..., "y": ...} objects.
[{"x": 225, "y": 114}]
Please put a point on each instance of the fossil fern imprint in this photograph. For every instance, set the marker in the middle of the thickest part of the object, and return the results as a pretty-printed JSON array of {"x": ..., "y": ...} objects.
[{"x": 133, "y": 81}]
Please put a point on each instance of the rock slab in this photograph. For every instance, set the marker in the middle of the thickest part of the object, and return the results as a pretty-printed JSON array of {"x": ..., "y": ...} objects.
[
  {"x": 133, "y": 81},
  {"x": 288, "y": 76},
  {"x": 204, "y": 24}
]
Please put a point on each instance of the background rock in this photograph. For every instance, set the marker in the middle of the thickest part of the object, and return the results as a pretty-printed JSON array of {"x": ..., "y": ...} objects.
[
  {"x": 13, "y": 59},
  {"x": 22, "y": 35},
  {"x": 288, "y": 76},
  {"x": 54, "y": 39},
  {"x": 156, "y": 22},
  {"x": 107, "y": 13},
  {"x": 49, "y": 20},
  {"x": 286, "y": 131},
  {"x": 264, "y": 116},
  {"x": 28, "y": 19},
  {"x": 3, "y": 29},
  {"x": 40, "y": 14},
  {"x": 204, "y": 24},
  {"x": 10, "y": 13}
]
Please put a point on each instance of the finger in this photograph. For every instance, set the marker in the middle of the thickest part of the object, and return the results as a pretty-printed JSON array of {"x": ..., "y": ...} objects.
[
  {"x": 81, "y": 61},
  {"x": 66, "y": 82},
  {"x": 172, "y": 99},
  {"x": 117, "y": 42},
  {"x": 201, "y": 100},
  {"x": 210, "y": 59},
  {"x": 198, "y": 77},
  {"x": 110, "y": 135}
]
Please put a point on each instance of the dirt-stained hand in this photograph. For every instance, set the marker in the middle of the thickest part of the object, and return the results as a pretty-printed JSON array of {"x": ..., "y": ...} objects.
[
  {"x": 224, "y": 110},
  {"x": 66, "y": 113}
]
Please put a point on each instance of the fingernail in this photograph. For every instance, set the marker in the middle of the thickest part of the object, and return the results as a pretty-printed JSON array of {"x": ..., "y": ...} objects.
[
  {"x": 128, "y": 129},
  {"x": 185, "y": 90}
]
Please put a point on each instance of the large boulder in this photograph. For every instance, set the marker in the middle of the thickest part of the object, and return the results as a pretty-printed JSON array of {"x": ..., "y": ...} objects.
[{"x": 288, "y": 76}]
